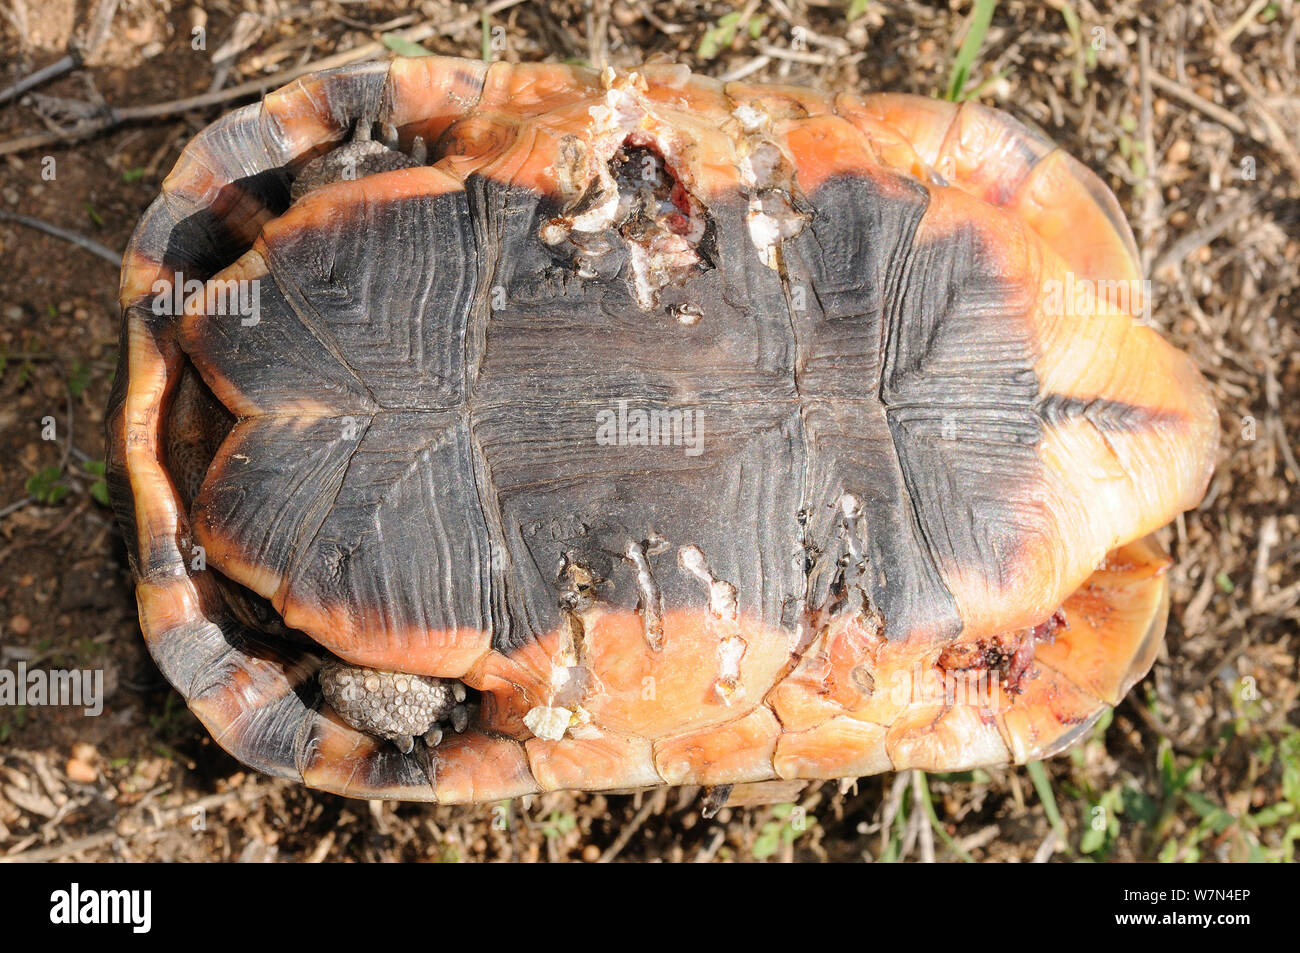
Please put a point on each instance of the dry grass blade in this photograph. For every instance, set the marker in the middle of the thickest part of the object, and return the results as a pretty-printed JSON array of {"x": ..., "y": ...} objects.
[{"x": 981, "y": 17}]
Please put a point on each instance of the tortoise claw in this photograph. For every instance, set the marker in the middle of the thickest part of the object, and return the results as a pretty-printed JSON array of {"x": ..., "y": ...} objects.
[
  {"x": 715, "y": 799},
  {"x": 459, "y": 718},
  {"x": 419, "y": 152},
  {"x": 389, "y": 132}
]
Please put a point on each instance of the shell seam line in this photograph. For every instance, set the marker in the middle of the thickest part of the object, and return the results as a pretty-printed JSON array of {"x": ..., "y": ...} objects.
[
  {"x": 900, "y": 270},
  {"x": 299, "y": 549}
]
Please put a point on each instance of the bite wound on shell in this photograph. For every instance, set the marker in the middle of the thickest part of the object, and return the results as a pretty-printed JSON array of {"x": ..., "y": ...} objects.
[{"x": 629, "y": 176}]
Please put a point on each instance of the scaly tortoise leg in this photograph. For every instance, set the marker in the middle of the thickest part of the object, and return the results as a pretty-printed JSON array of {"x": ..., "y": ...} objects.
[{"x": 395, "y": 706}]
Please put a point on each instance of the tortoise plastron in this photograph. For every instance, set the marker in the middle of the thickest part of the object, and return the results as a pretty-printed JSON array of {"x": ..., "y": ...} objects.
[{"x": 536, "y": 428}]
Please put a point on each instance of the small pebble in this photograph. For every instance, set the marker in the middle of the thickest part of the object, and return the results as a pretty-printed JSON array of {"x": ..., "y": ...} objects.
[
  {"x": 85, "y": 752},
  {"x": 80, "y": 771}
]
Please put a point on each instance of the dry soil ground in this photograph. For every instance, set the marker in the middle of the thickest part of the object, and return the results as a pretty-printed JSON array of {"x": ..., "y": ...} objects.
[{"x": 1190, "y": 111}]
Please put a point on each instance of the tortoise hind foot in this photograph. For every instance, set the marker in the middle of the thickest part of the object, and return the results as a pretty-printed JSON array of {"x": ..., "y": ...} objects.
[
  {"x": 358, "y": 158},
  {"x": 395, "y": 706}
]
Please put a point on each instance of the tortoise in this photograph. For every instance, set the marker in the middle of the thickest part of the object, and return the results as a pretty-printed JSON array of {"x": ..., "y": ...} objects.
[{"x": 483, "y": 430}]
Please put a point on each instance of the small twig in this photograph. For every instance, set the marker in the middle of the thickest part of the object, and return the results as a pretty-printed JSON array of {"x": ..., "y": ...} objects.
[
  {"x": 1150, "y": 189},
  {"x": 16, "y": 506},
  {"x": 322, "y": 849},
  {"x": 1278, "y": 132},
  {"x": 55, "y": 69},
  {"x": 67, "y": 521},
  {"x": 1172, "y": 256},
  {"x": 1047, "y": 848},
  {"x": 1243, "y": 21},
  {"x": 981, "y": 837},
  {"x": 1220, "y": 115},
  {"x": 1273, "y": 397},
  {"x": 598, "y": 15},
  {"x": 921, "y": 789},
  {"x": 1268, "y": 538},
  {"x": 89, "y": 244},
  {"x": 1284, "y": 444},
  {"x": 67, "y": 447},
  {"x": 915, "y": 821},
  {"x": 253, "y": 87},
  {"x": 921, "y": 796},
  {"x": 1145, "y": 715},
  {"x": 746, "y": 69},
  {"x": 660, "y": 24},
  {"x": 59, "y": 851},
  {"x": 710, "y": 850},
  {"x": 890, "y": 809},
  {"x": 625, "y": 835},
  {"x": 796, "y": 56},
  {"x": 103, "y": 22}
]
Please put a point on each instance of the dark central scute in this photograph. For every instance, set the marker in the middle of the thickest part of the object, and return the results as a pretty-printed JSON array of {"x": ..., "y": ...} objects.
[
  {"x": 864, "y": 417},
  {"x": 567, "y": 368}
]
